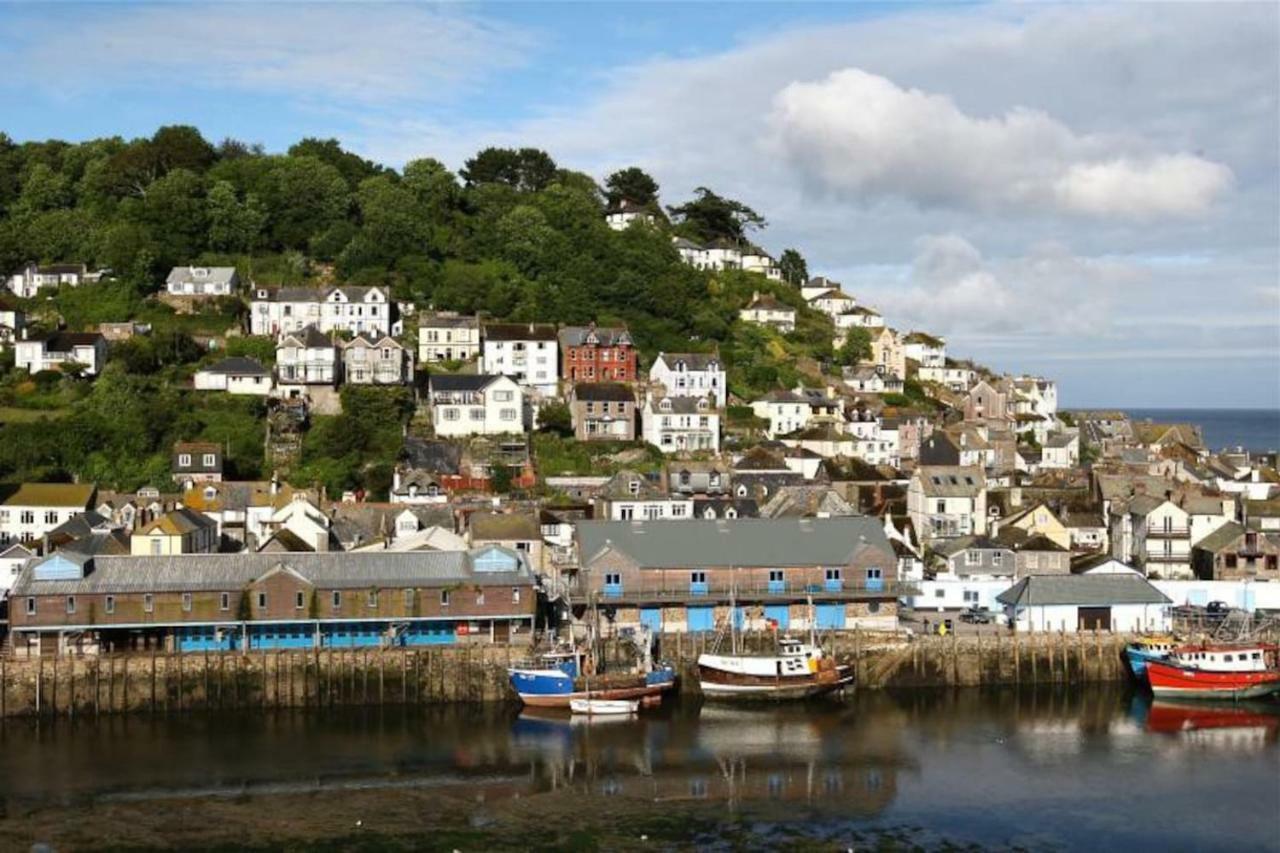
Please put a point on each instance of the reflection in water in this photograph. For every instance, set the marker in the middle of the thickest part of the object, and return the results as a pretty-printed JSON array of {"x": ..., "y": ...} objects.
[{"x": 990, "y": 766}]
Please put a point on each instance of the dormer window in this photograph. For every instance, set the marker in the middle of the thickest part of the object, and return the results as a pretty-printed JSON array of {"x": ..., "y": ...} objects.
[{"x": 634, "y": 487}]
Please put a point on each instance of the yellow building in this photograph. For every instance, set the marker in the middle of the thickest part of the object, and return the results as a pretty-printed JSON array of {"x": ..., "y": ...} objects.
[
  {"x": 1039, "y": 520},
  {"x": 182, "y": 531}
]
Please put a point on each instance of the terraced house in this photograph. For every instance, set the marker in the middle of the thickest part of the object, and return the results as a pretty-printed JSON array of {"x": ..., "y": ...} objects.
[
  {"x": 37, "y": 508},
  {"x": 280, "y": 310},
  {"x": 70, "y": 603},
  {"x": 782, "y": 573}
]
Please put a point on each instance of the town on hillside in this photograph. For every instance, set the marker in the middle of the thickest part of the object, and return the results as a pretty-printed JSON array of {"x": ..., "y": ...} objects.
[{"x": 548, "y": 407}]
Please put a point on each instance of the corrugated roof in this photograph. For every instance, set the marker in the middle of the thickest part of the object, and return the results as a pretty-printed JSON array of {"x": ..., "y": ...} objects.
[
  {"x": 1082, "y": 590},
  {"x": 193, "y": 572},
  {"x": 743, "y": 543}
]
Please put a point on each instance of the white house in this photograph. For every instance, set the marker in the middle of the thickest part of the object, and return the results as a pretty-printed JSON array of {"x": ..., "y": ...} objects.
[
  {"x": 280, "y": 310},
  {"x": 818, "y": 284},
  {"x": 1159, "y": 537},
  {"x": 947, "y": 501},
  {"x": 1061, "y": 450},
  {"x": 447, "y": 336},
  {"x": 954, "y": 377},
  {"x": 766, "y": 310},
  {"x": 12, "y": 558},
  {"x": 676, "y": 424},
  {"x": 925, "y": 349},
  {"x": 757, "y": 261},
  {"x": 690, "y": 374},
  {"x": 202, "y": 281},
  {"x": 1121, "y": 602},
  {"x": 833, "y": 303},
  {"x": 36, "y": 508},
  {"x": 858, "y": 317},
  {"x": 864, "y": 378},
  {"x": 629, "y": 496},
  {"x": 786, "y": 412},
  {"x": 620, "y": 217},
  {"x": 27, "y": 282},
  {"x": 13, "y": 321},
  {"x": 375, "y": 361},
  {"x": 417, "y": 488},
  {"x": 476, "y": 405},
  {"x": 235, "y": 375},
  {"x": 527, "y": 352},
  {"x": 52, "y": 352},
  {"x": 305, "y": 358}
]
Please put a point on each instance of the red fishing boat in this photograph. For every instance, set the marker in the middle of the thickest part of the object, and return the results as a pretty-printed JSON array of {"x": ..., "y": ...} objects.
[{"x": 1237, "y": 671}]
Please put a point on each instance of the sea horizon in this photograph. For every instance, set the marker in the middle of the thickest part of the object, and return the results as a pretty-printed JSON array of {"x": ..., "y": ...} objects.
[{"x": 1255, "y": 429}]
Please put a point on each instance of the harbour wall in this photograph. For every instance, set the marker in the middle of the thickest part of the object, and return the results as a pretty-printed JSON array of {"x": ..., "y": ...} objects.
[{"x": 161, "y": 683}]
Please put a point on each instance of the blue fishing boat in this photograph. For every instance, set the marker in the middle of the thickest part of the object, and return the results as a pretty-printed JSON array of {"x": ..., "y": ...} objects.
[
  {"x": 556, "y": 678},
  {"x": 1146, "y": 649}
]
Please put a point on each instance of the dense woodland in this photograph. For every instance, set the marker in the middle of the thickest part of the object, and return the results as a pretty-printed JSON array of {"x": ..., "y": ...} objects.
[{"x": 512, "y": 235}]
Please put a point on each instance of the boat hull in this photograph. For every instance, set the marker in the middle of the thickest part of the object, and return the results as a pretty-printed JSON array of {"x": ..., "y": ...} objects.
[
  {"x": 1169, "y": 680},
  {"x": 563, "y": 700},
  {"x": 1138, "y": 658},
  {"x": 720, "y": 686},
  {"x": 542, "y": 688}
]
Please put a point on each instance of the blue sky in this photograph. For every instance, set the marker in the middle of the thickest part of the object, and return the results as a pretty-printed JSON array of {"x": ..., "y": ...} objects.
[{"x": 1090, "y": 192}]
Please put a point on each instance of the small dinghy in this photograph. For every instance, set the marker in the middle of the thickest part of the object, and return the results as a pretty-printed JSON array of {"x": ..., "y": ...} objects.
[{"x": 604, "y": 707}]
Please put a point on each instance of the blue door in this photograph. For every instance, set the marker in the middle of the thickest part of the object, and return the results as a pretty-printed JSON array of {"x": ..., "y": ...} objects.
[
  {"x": 779, "y": 613},
  {"x": 739, "y": 617},
  {"x": 831, "y": 616},
  {"x": 701, "y": 618},
  {"x": 651, "y": 618}
]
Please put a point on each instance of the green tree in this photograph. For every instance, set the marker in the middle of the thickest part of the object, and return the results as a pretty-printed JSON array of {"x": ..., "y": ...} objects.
[
  {"x": 856, "y": 347},
  {"x": 631, "y": 184},
  {"x": 555, "y": 418},
  {"x": 794, "y": 269},
  {"x": 304, "y": 196},
  {"x": 234, "y": 226},
  {"x": 711, "y": 217},
  {"x": 527, "y": 170}
]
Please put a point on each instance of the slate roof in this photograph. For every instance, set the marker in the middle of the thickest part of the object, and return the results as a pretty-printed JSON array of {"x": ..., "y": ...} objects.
[
  {"x": 213, "y": 275},
  {"x": 446, "y": 321},
  {"x": 354, "y": 293},
  {"x": 1061, "y": 439},
  {"x": 461, "y": 381},
  {"x": 768, "y": 302},
  {"x": 214, "y": 572},
  {"x": 95, "y": 544},
  {"x": 519, "y": 331},
  {"x": 1081, "y": 590},
  {"x": 310, "y": 337},
  {"x": 951, "y": 481},
  {"x": 1222, "y": 538},
  {"x": 742, "y": 507},
  {"x": 603, "y": 391},
  {"x": 753, "y": 542},
  {"x": 238, "y": 365},
  {"x": 608, "y": 336},
  {"x": 759, "y": 459},
  {"x": 683, "y": 405},
  {"x": 179, "y": 522},
  {"x": 67, "y": 341},
  {"x": 692, "y": 360}
]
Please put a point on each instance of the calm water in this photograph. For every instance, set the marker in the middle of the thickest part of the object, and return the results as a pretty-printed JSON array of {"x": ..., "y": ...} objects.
[
  {"x": 1253, "y": 429},
  {"x": 1098, "y": 769}
]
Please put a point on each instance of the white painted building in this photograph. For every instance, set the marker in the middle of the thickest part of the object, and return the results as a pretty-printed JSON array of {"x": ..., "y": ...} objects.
[
  {"x": 235, "y": 375},
  {"x": 620, "y": 217},
  {"x": 947, "y": 501},
  {"x": 527, "y": 352},
  {"x": 26, "y": 282},
  {"x": 786, "y": 412},
  {"x": 1070, "y": 603},
  {"x": 690, "y": 374},
  {"x": 679, "y": 424},
  {"x": 476, "y": 405},
  {"x": 305, "y": 358},
  {"x": 281, "y": 310},
  {"x": 765, "y": 310},
  {"x": 205, "y": 282},
  {"x": 52, "y": 352},
  {"x": 12, "y": 558},
  {"x": 36, "y": 508},
  {"x": 833, "y": 303},
  {"x": 447, "y": 336},
  {"x": 375, "y": 361},
  {"x": 925, "y": 349},
  {"x": 1061, "y": 450},
  {"x": 13, "y": 322}
]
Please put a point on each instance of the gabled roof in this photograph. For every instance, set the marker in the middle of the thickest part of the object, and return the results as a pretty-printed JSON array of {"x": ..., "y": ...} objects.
[
  {"x": 215, "y": 275},
  {"x": 437, "y": 457},
  {"x": 1082, "y": 590},
  {"x": 461, "y": 381},
  {"x": 1222, "y": 538},
  {"x": 179, "y": 522},
  {"x": 438, "y": 320},
  {"x": 67, "y": 341},
  {"x": 606, "y": 336},
  {"x": 310, "y": 337},
  {"x": 692, "y": 360},
  {"x": 768, "y": 302},
  {"x": 603, "y": 391}
]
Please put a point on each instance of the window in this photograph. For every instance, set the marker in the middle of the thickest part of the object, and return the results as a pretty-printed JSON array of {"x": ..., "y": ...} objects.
[
  {"x": 477, "y": 414},
  {"x": 184, "y": 460},
  {"x": 502, "y": 396},
  {"x": 262, "y": 601},
  {"x": 612, "y": 579},
  {"x": 972, "y": 557},
  {"x": 157, "y": 546},
  {"x": 186, "y": 602},
  {"x": 224, "y": 601},
  {"x": 31, "y": 607},
  {"x": 939, "y": 593},
  {"x": 299, "y": 600},
  {"x": 444, "y": 598},
  {"x": 337, "y": 599},
  {"x": 697, "y": 577},
  {"x": 832, "y": 574},
  {"x": 209, "y": 460},
  {"x": 508, "y": 414},
  {"x": 148, "y": 603},
  {"x": 51, "y": 517},
  {"x": 515, "y": 595},
  {"x": 371, "y": 598},
  {"x": 71, "y": 604},
  {"x": 109, "y": 606},
  {"x": 408, "y": 599},
  {"x": 27, "y": 517},
  {"x": 480, "y": 596},
  {"x": 997, "y": 557}
]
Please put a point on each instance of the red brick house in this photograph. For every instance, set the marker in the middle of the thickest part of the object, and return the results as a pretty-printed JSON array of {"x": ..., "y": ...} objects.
[{"x": 594, "y": 354}]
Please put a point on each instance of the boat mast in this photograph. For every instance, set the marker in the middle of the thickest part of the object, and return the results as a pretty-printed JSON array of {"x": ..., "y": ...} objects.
[{"x": 733, "y": 612}]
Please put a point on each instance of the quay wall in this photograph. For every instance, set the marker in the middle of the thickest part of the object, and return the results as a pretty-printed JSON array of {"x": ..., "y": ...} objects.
[{"x": 159, "y": 682}]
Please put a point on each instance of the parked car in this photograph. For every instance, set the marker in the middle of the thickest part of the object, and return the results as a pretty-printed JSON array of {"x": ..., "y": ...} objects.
[{"x": 976, "y": 615}]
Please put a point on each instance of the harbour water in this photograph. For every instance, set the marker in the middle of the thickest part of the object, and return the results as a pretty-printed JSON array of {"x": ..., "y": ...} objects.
[
  {"x": 1049, "y": 769},
  {"x": 1253, "y": 429}
]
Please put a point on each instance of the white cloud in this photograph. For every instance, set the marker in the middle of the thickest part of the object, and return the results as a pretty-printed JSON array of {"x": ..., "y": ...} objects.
[
  {"x": 361, "y": 53},
  {"x": 861, "y": 136}
]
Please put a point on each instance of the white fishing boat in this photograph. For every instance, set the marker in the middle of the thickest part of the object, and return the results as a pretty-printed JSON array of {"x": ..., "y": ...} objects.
[{"x": 604, "y": 707}]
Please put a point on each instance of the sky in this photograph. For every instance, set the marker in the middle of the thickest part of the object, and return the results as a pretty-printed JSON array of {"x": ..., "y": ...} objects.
[{"x": 1088, "y": 192}]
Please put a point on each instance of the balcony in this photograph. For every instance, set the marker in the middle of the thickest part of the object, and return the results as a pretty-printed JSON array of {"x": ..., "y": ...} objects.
[
  {"x": 1168, "y": 532},
  {"x": 1167, "y": 558}
]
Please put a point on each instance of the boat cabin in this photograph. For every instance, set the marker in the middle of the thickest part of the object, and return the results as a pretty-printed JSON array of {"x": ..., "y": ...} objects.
[{"x": 1223, "y": 658}]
